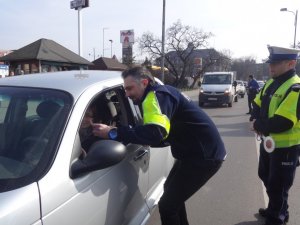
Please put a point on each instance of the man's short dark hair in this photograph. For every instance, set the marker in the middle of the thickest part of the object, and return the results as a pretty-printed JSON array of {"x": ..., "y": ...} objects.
[
  {"x": 251, "y": 76},
  {"x": 138, "y": 73}
]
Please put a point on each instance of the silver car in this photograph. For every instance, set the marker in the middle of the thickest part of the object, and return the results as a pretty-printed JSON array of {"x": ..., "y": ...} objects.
[{"x": 46, "y": 177}]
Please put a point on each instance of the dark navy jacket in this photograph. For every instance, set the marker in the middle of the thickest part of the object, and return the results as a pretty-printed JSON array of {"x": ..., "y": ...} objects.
[
  {"x": 253, "y": 87},
  {"x": 193, "y": 136}
]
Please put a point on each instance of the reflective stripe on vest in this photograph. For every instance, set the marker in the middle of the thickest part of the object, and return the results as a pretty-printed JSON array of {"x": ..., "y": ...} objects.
[
  {"x": 258, "y": 97},
  {"x": 285, "y": 106},
  {"x": 152, "y": 113}
]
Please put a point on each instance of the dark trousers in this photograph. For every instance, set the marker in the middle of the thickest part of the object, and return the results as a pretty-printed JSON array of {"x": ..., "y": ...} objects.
[
  {"x": 183, "y": 181},
  {"x": 251, "y": 97},
  {"x": 277, "y": 171}
]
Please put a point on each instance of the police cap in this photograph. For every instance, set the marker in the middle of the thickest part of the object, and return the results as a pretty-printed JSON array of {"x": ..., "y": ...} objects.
[{"x": 278, "y": 54}]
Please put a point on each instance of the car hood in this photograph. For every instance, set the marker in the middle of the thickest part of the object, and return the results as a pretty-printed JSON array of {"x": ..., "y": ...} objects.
[{"x": 215, "y": 87}]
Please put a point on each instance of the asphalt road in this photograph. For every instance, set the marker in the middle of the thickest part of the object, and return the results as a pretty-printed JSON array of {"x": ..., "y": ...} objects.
[{"x": 234, "y": 194}]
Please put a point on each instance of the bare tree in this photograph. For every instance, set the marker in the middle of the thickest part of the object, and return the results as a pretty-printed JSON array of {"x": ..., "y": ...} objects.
[
  {"x": 245, "y": 66},
  {"x": 215, "y": 61},
  {"x": 181, "y": 41}
]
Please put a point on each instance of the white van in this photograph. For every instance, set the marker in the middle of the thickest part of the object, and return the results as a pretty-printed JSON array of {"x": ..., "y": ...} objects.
[{"x": 218, "y": 88}]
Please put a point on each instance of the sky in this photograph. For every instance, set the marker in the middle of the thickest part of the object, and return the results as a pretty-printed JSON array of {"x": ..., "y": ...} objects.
[{"x": 244, "y": 27}]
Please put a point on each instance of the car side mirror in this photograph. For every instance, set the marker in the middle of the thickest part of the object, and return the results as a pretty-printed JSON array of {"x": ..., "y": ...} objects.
[{"x": 102, "y": 154}]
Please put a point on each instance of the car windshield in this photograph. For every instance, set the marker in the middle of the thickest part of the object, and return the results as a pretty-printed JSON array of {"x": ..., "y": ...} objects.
[
  {"x": 217, "y": 79},
  {"x": 31, "y": 121}
]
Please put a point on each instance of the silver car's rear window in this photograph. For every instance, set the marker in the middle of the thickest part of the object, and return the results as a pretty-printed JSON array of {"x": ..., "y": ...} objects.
[{"x": 31, "y": 123}]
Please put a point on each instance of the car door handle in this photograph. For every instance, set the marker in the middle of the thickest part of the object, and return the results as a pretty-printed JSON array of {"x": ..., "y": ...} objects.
[{"x": 140, "y": 154}]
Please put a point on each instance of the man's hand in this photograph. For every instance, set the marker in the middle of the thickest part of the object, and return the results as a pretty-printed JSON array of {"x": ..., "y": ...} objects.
[
  {"x": 253, "y": 129},
  {"x": 101, "y": 130}
]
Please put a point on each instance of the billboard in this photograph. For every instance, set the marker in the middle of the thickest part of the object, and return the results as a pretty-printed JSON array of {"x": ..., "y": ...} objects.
[
  {"x": 127, "y": 40},
  {"x": 79, "y": 3},
  {"x": 126, "y": 37}
]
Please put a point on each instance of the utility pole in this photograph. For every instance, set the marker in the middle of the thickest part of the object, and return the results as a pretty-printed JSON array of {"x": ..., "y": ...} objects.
[
  {"x": 79, "y": 5},
  {"x": 111, "y": 41},
  {"x": 104, "y": 28},
  {"x": 163, "y": 43}
]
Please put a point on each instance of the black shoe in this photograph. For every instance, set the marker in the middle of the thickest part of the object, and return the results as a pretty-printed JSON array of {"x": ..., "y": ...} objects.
[
  {"x": 286, "y": 219},
  {"x": 263, "y": 213},
  {"x": 248, "y": 113}
]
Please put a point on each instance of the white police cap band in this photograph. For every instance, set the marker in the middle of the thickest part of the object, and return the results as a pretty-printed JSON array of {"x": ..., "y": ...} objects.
[{"x": 280, "y": 54}]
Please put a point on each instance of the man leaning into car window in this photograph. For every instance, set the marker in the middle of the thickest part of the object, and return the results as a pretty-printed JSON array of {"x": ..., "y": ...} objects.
[{"x": 170, "y": 118}]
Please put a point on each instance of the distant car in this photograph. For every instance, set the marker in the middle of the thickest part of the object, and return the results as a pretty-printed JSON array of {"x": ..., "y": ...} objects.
[
  {"x": 240, "y": 88},
  {"x": 261, "y": 84},
  {"x": 46, "y": 179}
]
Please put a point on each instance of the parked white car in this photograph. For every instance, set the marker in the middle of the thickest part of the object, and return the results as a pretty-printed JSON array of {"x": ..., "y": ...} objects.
[
  {"x": 240, "y": 88},
  {"x": 45, "y": 177}
]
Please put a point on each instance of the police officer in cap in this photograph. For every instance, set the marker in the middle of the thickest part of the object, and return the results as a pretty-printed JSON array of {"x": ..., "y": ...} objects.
[
  {"x": 276, "y": 115},
  {"x": 171, "y": 118}
]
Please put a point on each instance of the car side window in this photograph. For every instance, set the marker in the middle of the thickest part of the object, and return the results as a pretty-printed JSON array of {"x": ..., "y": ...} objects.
[{"x": 110, "y": 107}]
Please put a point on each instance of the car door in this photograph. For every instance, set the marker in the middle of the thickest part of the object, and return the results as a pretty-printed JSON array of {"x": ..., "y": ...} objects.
[
  {"x": 111, "y": 196},
  {"x": 160, "y": 163},
  {"x": 19, "y": 200}
]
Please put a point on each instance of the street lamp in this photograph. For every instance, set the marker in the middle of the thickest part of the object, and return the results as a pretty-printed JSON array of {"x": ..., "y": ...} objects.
[
  {"x": 163, "y": 42},
  {"x": 111, "y": 41},
  {"x": 104, "y": 28},
  {"x": 79, "y": 5},
  {"x": 295, "y": 22}
]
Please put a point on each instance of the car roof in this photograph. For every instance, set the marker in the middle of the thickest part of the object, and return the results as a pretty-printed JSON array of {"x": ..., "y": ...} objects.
[{"x": 74, "y": 82}]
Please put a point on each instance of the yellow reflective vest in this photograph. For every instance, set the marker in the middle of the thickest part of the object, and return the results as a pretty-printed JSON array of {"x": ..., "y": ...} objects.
[
  {"x": 152, "y": 113},
  {"x": 284, "y": 105}
]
